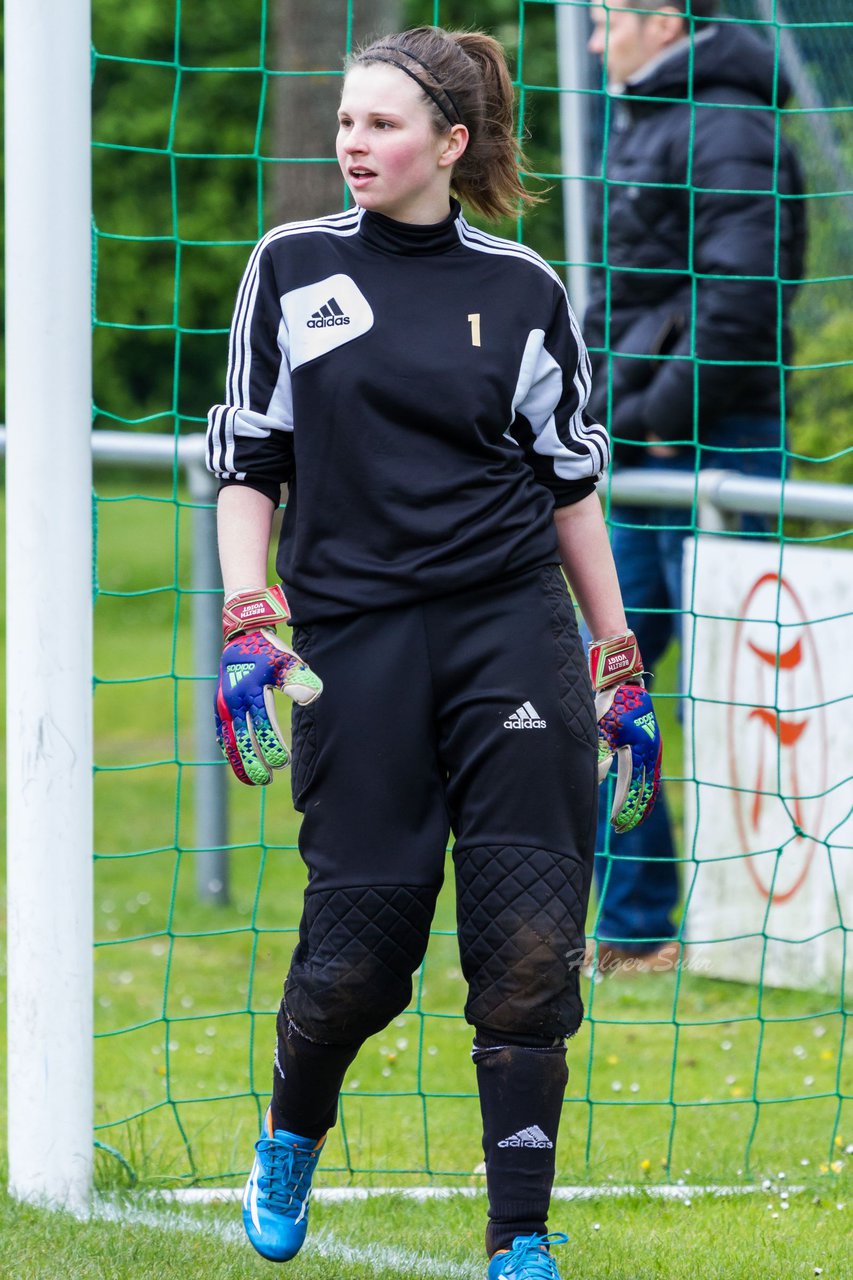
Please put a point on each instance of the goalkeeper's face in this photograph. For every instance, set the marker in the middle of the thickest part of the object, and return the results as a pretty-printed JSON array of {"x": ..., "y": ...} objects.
[{"x": 394, "y": 159}]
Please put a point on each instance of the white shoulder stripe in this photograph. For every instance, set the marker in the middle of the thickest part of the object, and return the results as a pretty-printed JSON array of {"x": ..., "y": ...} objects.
[
  {"x": 345, "y": 223},
  {"x": 485, "y": 242},
  {"x": 341, "y": 224},
  {"x": 238, "y": 375}
]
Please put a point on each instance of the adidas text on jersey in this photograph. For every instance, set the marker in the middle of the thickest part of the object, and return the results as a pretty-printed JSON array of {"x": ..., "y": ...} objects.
[{"x": 327, "y": 315}]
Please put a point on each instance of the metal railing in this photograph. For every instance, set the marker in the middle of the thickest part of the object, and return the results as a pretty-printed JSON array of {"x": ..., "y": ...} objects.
[
  {"x": 717, "y": 495},
  {"x": 721, "y": 495}
]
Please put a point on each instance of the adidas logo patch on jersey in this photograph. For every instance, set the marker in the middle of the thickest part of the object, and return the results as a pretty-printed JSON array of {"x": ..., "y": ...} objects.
[
  {"x": 321, "y": 317},
  {"x": 531, "y": 1137},
  {"x": 327, "y": 315},
  {"x": 525, "y": 717}
]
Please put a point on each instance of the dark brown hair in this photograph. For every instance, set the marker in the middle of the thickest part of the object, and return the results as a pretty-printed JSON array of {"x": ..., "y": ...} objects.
[{"x": 465, "y": 80}]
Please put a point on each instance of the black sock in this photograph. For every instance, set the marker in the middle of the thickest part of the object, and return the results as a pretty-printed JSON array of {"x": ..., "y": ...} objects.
[
  {"x": 307, "y": 1079},
  {"x": 521, "y": 1097}
]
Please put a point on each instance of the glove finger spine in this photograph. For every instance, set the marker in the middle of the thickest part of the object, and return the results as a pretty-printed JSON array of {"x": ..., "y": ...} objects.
[
  {"x": 228, "y": 740},
  {"x": 253, "y": 758}
]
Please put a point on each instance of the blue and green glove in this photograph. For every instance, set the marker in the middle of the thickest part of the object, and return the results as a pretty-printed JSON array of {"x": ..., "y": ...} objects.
[
  {"x": 254, "y": 663},
  {"x": 627, "y": 729}
]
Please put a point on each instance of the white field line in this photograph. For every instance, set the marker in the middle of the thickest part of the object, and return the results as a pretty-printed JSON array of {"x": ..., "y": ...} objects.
[
  {"x": 413, "y": 1264},
  {"x": 322, "y": 1243},
  {"x": 609, "y": 1191}
]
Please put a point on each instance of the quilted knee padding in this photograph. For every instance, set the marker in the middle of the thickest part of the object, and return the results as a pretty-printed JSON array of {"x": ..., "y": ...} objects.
[
  {"x": 352, "y": 969},
  {"x": 520, "y": 916}
]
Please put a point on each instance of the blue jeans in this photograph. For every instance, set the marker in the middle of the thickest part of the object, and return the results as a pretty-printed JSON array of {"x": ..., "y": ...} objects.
[{"x": 636, "y": 873}]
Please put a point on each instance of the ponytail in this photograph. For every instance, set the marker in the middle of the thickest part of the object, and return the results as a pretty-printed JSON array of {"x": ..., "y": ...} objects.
[{"x": 465, "y": 80}]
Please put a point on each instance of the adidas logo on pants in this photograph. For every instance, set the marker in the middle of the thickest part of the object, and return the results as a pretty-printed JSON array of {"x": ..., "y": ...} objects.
[{"x": 525, "y": 717}]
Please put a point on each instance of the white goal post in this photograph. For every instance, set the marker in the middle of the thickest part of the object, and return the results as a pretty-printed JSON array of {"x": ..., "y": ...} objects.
[{"x": 49, "y": 590}]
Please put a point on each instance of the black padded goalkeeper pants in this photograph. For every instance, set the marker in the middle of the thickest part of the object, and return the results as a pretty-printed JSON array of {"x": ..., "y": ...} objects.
[{"x": 471, "y": 714}]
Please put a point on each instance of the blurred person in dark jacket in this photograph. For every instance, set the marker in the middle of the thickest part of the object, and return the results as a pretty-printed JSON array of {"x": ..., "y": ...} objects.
[{"x": 700, "y": 242}]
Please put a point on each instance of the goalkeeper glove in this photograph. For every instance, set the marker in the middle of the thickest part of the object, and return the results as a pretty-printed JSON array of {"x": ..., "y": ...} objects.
[
  {"x": 627, "y": 729},
  {"x": 254, "y": 663}
]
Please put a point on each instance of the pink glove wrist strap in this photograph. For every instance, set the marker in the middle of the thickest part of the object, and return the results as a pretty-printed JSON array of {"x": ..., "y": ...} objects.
[
  {"x": 615, "y": 660},
  {"x": 250, "y": 610}
]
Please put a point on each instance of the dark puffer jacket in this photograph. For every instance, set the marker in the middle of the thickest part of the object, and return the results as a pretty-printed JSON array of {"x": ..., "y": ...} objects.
[{"x": 702, "y": 242}]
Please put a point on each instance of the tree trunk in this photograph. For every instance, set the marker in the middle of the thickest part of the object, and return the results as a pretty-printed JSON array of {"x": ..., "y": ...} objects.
[{"x": 311, "y": 36}]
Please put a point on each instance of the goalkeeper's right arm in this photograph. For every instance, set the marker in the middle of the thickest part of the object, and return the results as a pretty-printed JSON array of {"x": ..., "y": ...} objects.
[
  {"x": 244, "y": 525},
  {"x": 255, "y": 660}
]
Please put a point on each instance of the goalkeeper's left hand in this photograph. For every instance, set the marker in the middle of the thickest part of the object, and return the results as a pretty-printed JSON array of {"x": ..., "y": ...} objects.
[
  {"x": 627, "y": 729},
  {"x": 254, "y": 663}
]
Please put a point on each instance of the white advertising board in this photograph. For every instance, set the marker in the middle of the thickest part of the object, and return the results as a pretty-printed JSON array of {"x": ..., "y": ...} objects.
[{"x": 768, "y": 665}]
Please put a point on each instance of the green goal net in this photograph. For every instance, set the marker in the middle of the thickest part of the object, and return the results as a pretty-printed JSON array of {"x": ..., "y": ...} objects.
[{"x": 212, "y": 123}]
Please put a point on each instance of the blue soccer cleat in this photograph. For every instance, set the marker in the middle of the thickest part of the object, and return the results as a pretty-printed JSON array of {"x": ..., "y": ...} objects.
[
  {"x": 528, "y": 1259},
  {"x": 275, "y": 1202}
]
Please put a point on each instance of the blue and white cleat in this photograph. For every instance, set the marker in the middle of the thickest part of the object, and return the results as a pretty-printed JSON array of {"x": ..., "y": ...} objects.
[
  {"x": 275, "y": 1202},
  {"x": 528, "y": 1259}
]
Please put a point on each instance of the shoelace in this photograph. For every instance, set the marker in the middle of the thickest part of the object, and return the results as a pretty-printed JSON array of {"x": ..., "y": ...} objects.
[
  {"x": 532, "y": 1259},
  {"x": 286, "y": 1176}
]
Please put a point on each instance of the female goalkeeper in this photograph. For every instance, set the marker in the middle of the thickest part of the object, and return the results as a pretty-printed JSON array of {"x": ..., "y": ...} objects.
[{"x": 420, "y": 387}]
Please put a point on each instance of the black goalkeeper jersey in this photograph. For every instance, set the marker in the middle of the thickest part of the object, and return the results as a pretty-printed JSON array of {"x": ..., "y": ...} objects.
[{"x": 421, "y": 390}]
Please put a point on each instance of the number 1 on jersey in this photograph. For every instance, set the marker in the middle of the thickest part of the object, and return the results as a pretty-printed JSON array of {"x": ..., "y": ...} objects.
[{"x": 474, "y": 321}]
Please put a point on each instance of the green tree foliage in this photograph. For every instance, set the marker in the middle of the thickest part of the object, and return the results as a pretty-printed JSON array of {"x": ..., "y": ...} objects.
[
  {"x": 175, "y": 192},
  {"x": 820, "y": 424},
  {"x": 821, "y": 380}
]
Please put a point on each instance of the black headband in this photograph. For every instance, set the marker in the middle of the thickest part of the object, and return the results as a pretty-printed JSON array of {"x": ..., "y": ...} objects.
[{"x": 371, "y": 56}]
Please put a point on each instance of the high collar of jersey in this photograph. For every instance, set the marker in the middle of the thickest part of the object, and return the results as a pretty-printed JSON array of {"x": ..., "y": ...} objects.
[{"x": 411, "y": 238}]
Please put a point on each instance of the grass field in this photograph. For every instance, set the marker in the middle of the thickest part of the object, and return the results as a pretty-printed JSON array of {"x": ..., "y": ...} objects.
[
  {"x": 674, "y": 1076},
  {"x": 628, "y": 1238}
]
